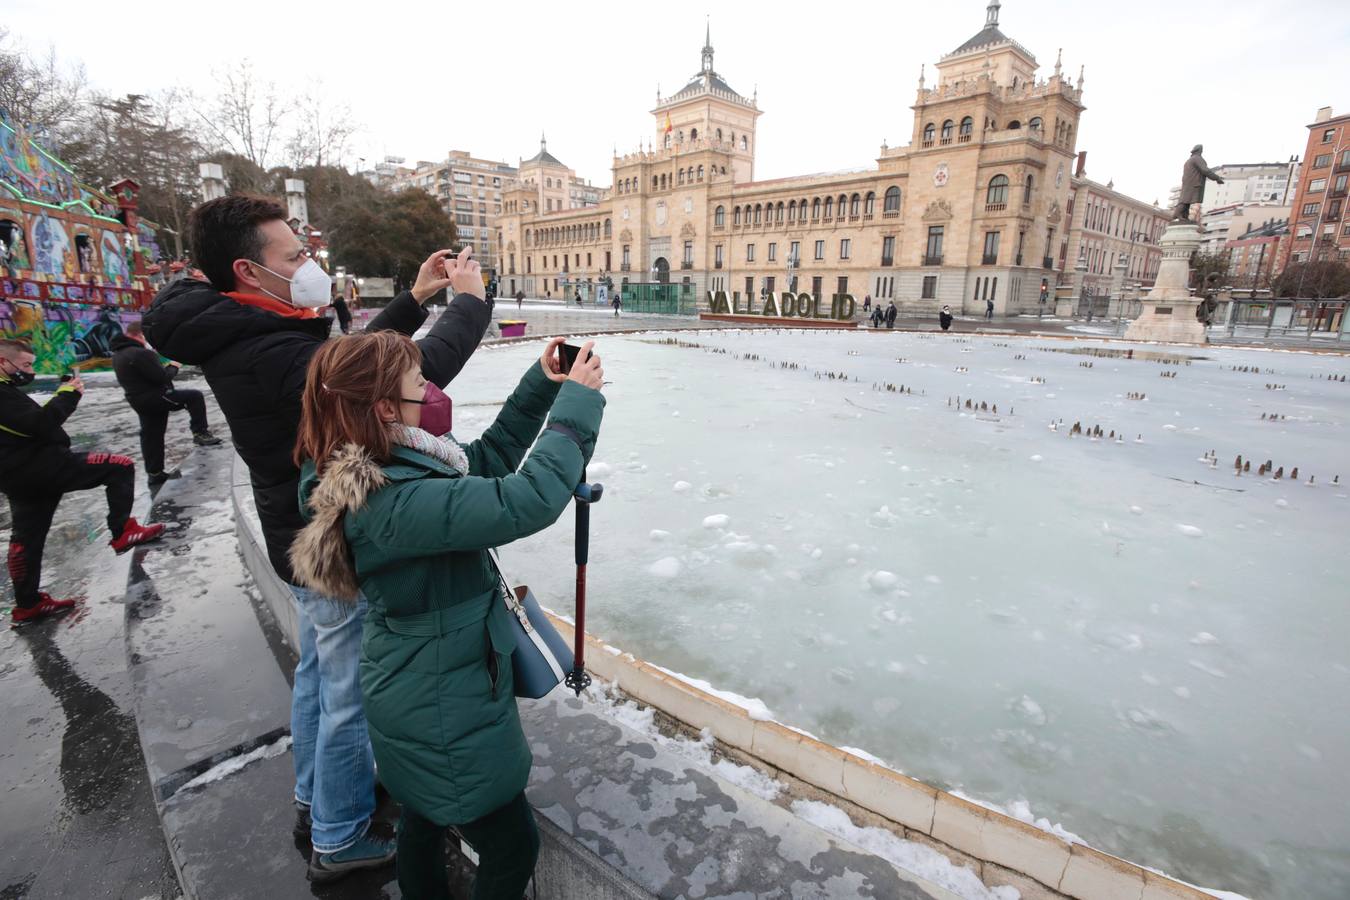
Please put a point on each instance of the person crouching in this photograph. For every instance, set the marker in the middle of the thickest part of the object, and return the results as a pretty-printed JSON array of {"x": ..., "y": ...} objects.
[{"x": 401, "y": 512}]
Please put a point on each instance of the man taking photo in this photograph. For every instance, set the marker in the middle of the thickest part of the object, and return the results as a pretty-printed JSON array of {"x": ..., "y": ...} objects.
[
  {"x": 37, "y": 467},
  {"x": 148, "y": 385}
]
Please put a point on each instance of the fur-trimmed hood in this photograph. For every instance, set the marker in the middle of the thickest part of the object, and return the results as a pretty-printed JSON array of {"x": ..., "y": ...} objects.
[{"x": 319, "y": 555}]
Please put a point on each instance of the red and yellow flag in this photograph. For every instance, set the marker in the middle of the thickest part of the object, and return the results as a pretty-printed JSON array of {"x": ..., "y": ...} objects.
[{"x": 668, "y": 125}]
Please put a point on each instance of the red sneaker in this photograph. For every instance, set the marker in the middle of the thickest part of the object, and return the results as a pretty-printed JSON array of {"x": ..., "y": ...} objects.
[
  {"x": 134, "y": 533},
  {"x": 46, "y": 606}
]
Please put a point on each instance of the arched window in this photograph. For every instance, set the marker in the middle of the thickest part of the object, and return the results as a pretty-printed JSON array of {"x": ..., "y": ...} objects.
[
  {"x": 609, "y": 229},
  {"x": 745, "y": 145},
  {"x": 870, "y": 203},
  {"x": 720, "y": 216},
  {"x": 1014, "y": 125},
  {"x": 947, "y": 131},
  {"x": 693, "y": 134},
  {"x": 758, "y": 209},
  {"x": 1026, "y": 193},
  {"x": 679, "y": 136},
  {"x": 843, "y": 206},
  {"x": 892, "y": 203},
  {"x": 682, "y": 176},
  {"x": 700, "y": 173},
  {"x": 719, "y": 135},
  {"x": 722, "y": 170},
  {"x": 998, "y": 190},
  {"x": 1036, "y": 125},
  {"x": 829, "y": 207},
  {"x": 853, "y": 206},
  {"x": 655, "y": 182},
  {"x": 792, "y": 210},
  {"x": 549, "y": 182},
  {"x": 735, "y": 216},
  {"x": 667, "y": 140},
  {"x": 815, "y": 208},
  {"x": 967, "y": 126},
  {"x": 527, "y": 238},
  {"x": 929, "y": 131}
]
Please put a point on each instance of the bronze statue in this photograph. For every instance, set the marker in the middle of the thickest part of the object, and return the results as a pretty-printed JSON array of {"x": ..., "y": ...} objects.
[{"x": 1193, "y": 176}]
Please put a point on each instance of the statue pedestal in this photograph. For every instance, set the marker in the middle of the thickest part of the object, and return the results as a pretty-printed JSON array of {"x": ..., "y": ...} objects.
[{"x": 1168, "y": 312}]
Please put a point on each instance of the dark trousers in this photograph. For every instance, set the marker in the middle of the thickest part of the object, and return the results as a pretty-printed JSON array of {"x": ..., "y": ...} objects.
[
  {"x": 506, "y": 841},
  {"x": 155, "y": 421},
  {"x": 31, "y": 514}
]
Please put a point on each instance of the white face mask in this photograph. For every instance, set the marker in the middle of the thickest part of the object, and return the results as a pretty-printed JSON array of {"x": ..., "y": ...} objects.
[{"x": 310, "y": 285}]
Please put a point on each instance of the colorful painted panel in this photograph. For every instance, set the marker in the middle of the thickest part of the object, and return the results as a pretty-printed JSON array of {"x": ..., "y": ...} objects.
[
  {"x": 31, "y": 173},
  {"x": 51, "y": 246},
  {"x": 114, "y": 264}
]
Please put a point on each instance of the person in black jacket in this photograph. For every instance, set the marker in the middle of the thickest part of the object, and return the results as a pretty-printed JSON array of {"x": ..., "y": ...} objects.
[
  {"x": 150, "y": 391},
  {"x": 891, "y": 313},
  {"x": 253, "y": 330},
  {"x": 945, "y": 318},
  {"x": 344, "y": 315},
  {"x": 37, "y": 467}
]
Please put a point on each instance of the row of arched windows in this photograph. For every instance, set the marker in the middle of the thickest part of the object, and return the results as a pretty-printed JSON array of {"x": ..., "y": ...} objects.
[
  {"x": 691, "y": 175},
  {"x": 568, "y": 234},
  {"x": 678, "y": 138},
  {"x": 796, "y": 211},
  {"x": 966, "y": 128}
]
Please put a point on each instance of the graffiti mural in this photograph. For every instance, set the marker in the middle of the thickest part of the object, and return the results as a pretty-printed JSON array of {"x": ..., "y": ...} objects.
[{"x": 64, "y": 337}]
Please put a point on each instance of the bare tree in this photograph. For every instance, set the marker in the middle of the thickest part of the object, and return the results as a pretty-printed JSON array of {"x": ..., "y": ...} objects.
[
  {"x": 38, "y": 93},
  {"x": 323, "y": 131},
  {"x": 145, "y": 138},
  {"x": 246, "y": 116}
]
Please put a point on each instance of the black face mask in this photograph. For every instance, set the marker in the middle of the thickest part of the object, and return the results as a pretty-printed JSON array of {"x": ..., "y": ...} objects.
[{"x": 20, "y": 378}]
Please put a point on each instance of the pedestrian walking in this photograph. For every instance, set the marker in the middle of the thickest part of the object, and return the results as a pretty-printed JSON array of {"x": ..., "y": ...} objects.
[
  {"x": 404, "y": 514},
  {"x": 254, "y": 329},
  {"x": 344, "y": 314},
  {"x": 520, "y": 299},
  {"x": 891, "y": 313},
  {"x": 989, "y": 310},
  {"x": 617, "y": 303},
  {"x": 37, "y": 468},
  {"x": 945, "y": 318},
  {"x": 149, "y": 389}
]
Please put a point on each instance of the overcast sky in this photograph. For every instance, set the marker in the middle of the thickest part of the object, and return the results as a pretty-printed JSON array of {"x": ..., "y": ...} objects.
[{"x": 1244, "y": 77}]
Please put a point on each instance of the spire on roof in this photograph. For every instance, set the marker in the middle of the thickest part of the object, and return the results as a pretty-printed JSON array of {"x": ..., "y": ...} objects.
[
  {"x": 1059, "y": 55},
  {"x": 708, "y": 50},
  {"x": 991, "y": 14}
]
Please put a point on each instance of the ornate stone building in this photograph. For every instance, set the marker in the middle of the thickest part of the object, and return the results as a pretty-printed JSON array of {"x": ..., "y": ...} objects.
[{"x": 974, "y": 207}]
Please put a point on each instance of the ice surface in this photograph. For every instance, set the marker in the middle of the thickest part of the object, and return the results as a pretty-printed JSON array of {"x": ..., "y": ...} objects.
[{"x": 1065, "y": 581}]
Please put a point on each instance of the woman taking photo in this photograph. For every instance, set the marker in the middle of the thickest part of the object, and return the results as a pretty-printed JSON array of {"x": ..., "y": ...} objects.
[{"x": 400, "y": 511}]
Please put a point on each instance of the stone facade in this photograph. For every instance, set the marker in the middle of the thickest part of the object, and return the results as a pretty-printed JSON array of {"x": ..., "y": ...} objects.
[
  {"x": 1104, "y": 227},
  {"x": 975, "y": 206}
]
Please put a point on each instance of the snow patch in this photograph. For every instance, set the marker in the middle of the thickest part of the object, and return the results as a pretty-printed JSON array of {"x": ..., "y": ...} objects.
[{"x": 666, "y": 567}]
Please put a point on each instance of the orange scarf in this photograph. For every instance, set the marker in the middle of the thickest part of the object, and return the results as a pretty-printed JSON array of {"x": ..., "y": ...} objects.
[{"x": 272, "y": 305}]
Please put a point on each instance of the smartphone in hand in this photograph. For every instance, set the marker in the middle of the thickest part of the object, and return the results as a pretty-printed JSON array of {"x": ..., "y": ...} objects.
[{"x": 567, "y": 354}]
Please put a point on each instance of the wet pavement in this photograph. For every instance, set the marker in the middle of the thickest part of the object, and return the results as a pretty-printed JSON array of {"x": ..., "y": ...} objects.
[{"x": 79, "y": 820}]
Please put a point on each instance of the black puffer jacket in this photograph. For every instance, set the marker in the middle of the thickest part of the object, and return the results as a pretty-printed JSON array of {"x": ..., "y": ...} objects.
[
  {"x": 255, "y": 362},
  {"x": 32, "y": 442},
  {"x": 144, "y": 379}
]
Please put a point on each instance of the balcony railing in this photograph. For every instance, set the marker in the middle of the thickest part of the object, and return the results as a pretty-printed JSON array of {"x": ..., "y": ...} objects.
[
  {"x": 932, "y": 260},
  {"x": 686, "y": 264},
  {"x": 946, "y": 141},
  {"x": 964, "y": 138},
  {"x": 989, "y": 259},
  {"x": 625, "y": 267},
  {"x": 1047, "y": 262},
  {"x": 995, "y": 207},
  {"x": 888, "y": 260},
  {"x": 928, "y": 143},
  {"x": 890, "y": 214}
]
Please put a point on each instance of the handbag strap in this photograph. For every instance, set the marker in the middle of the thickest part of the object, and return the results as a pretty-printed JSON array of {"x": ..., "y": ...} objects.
[{"x": 513, "y": 604}]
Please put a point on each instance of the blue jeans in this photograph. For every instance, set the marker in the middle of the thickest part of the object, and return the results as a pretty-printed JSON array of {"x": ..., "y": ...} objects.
[{"x": 334, "y": 765}]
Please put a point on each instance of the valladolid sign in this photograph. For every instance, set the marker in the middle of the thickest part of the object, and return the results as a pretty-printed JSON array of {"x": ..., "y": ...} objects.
[{"x": 785, "y": 305}]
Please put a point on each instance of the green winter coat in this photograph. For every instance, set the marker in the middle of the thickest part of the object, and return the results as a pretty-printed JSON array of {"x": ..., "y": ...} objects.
[{"x": 413, "y": 535}]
